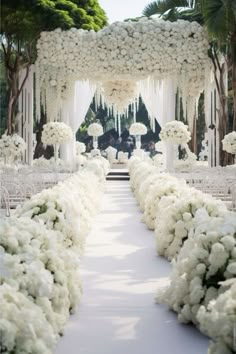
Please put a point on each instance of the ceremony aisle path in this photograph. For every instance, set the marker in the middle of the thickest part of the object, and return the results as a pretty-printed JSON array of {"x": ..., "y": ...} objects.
[{"x": 121, "y": 274}]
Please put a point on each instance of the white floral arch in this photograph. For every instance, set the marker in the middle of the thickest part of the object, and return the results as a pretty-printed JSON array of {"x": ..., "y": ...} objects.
[{"x": 150, "y": 57}]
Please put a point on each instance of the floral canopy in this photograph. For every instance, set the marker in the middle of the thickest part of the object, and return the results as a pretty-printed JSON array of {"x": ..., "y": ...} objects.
[{"x": 122, "y": 61}]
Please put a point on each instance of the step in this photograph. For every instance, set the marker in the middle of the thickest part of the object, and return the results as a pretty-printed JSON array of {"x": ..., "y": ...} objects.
[
  {"x": 118, "y": 173},
  {"x": 117, "y": 178}
]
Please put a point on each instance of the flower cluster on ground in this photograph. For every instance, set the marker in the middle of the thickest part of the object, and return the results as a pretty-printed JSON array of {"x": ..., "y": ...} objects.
[
  {"x": 40, "y": 250},
  {"x": 80, "y": 147},
  {"x": 198, "y": 234}
]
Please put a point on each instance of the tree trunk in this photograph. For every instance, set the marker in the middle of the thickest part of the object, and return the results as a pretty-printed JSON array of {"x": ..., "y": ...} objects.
[
  {"x": 12, "y": 81},
  {"x": 13, "y": 64},
  {"x": 14, "y": 91},
  {"x": 233, "y": 66}
]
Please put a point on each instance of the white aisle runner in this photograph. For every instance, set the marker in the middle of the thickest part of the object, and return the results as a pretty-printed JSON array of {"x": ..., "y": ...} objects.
[{"x": 120, "y": 273}]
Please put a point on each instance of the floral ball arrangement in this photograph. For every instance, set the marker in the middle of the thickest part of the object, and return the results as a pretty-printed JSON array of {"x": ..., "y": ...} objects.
[
  {"x": 80, "y": 148},
  {"x": 95, "y": 129},
  {"x": 138, "y": 129},
  {"x": 175, "y": 132},
  {"x": 12, "y": 145},
  {"x": 119, "y": 94},
  {"x": 56, "y": 133},
  {"x": 229, "y": 143}
]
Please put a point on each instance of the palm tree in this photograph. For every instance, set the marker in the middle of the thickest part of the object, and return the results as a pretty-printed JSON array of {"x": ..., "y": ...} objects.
[
  {"x": 219, "y": 17},
  {"x": 166, "y": 7},
  {"x": 172, "y": 10},
  {"x": 220, "y": 20}
]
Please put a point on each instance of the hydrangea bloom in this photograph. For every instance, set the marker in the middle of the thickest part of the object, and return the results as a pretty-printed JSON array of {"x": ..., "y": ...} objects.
[{"x": 56, "y": 133}]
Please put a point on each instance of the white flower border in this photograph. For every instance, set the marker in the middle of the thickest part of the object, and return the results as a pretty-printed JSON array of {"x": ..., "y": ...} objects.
[
  {"x": 39, "y": 249},
  {"x": 202, "y": 231}
]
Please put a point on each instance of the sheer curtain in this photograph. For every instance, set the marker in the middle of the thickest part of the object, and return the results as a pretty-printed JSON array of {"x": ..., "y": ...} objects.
[
  {"x": 159, "y": 97},
  {"x": 84, "y": 92},
  {"x": 151, "y": 91},
  {"x": 73, "y": 113}
]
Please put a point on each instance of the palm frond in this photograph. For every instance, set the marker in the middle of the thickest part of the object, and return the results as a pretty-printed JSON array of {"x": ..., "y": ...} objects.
[
  {"x": 215, "y": 13},
  {"x": 161, "y": 6}
]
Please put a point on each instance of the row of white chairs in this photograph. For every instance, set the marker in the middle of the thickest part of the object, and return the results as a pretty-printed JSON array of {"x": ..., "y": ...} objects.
[
  {"x": 220, "y": 185},
  {"x": 15, "y": 188}
]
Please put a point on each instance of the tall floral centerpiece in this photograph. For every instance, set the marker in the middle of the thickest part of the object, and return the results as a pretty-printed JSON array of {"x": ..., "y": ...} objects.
[
  {"x": 138, "y": 129},
  {"x": 95, "y": 130},
  {"x": 56, "y": 133},
  {"x": 174, "y": 133},
  {"x": 12, "y": 146},
  {"x": 229, "y": 144}
]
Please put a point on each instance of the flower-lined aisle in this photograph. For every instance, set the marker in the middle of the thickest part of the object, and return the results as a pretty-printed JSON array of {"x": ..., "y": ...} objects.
[
  {"x": 120, "y": 274},
  {"x": 198, "y": 234},
  {"x": 39, "y": 261}
]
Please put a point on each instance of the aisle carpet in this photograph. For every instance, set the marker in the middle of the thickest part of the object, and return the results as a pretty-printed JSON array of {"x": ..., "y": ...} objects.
[{"x": 121, "y": 273}]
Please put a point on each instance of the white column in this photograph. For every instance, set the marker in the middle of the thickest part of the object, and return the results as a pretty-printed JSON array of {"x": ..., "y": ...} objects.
[
  {"x": 169, "y": 87},
  {"x": 67, "y": 151}
]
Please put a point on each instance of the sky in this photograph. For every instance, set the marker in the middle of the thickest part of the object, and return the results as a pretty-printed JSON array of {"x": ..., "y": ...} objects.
[{"x": 118, "y": 10}]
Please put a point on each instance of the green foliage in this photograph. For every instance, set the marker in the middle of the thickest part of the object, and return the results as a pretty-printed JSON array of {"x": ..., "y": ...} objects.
[
  {"x": 26, "y": 19},
  {"x": 220, "y": 18},
  {"x": 20, "y": 26},
  {"x": 161, "y": 6}
]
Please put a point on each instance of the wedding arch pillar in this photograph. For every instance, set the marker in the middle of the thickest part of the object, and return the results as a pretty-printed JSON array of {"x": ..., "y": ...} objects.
[
  {"x": 169, "y": 102},
  {"x": 212, "y": 121}
]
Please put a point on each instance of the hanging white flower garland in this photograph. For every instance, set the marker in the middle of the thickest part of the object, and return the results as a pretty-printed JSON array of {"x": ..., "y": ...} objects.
[{"x": 119, "y": 94}]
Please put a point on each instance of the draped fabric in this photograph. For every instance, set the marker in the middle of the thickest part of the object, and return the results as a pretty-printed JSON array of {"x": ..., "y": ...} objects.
[
  {"x": 150, "y": 98},
  {"x": 159, "y": 99},
  {"x": 73, "y": 113},
  {"x": 84, "y": 92}
]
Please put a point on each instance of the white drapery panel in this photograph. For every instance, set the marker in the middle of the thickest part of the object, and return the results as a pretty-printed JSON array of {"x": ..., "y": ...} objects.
[
  {"x": 149, "y": 96},
  {"x": 84, "y": 92},
  {"x": 73, "y": 113},
  {"x": 159, "y": 99}
]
